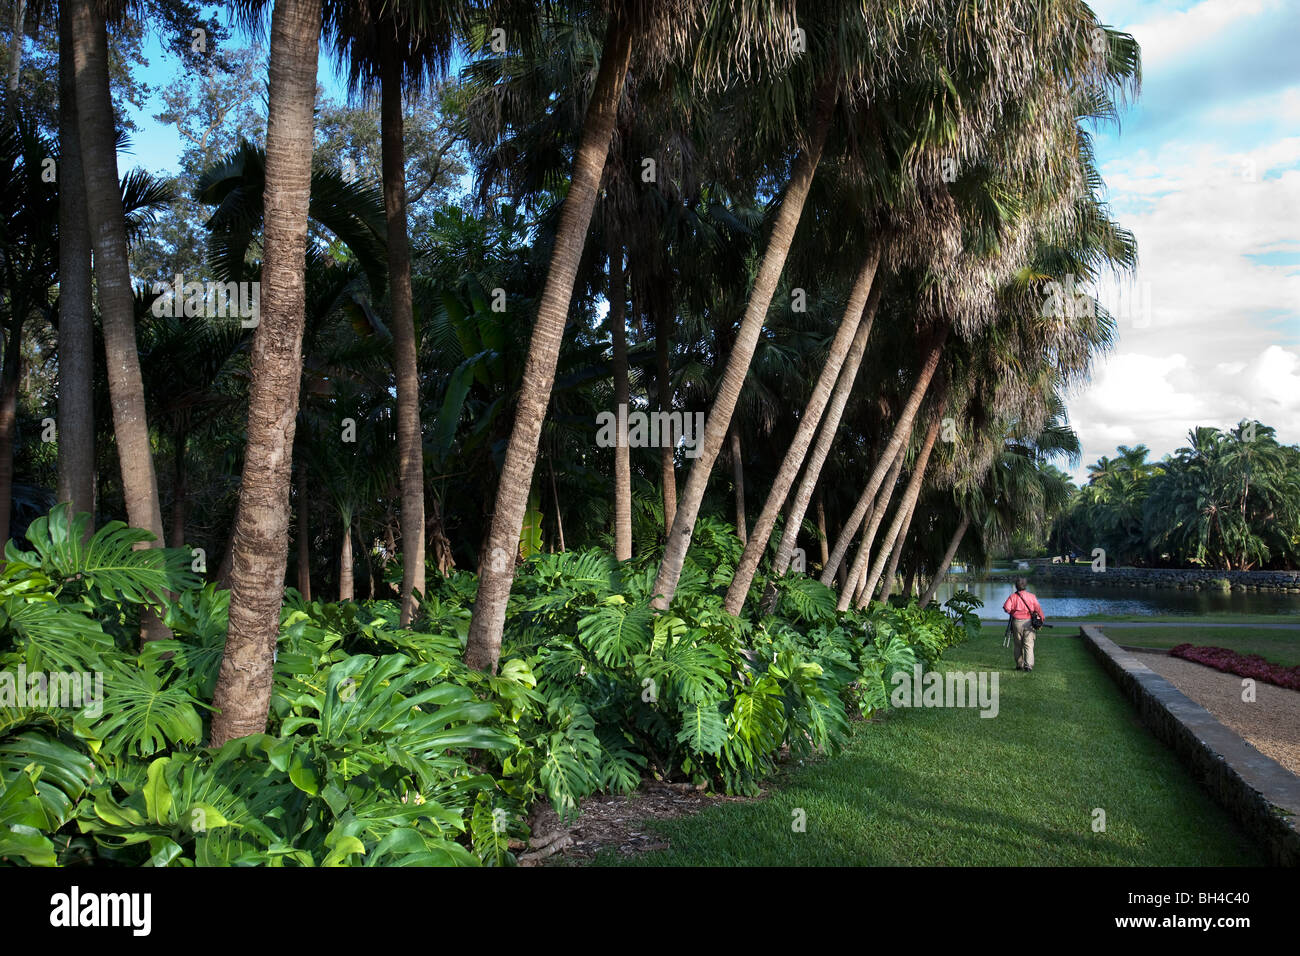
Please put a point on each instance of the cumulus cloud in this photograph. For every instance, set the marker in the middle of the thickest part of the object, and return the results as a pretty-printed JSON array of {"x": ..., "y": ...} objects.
[{"x": 1209, "y": 327}]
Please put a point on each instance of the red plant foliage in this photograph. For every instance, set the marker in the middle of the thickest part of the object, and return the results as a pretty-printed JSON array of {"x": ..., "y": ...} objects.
[{"x": 1243, "y": 665}]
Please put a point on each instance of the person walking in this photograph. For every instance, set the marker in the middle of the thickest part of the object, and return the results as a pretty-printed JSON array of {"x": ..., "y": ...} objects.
[{"x": 1026, "y": 617}]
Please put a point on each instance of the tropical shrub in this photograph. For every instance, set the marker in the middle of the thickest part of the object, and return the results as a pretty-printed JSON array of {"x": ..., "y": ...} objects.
[{"x": 382, "y": 747}]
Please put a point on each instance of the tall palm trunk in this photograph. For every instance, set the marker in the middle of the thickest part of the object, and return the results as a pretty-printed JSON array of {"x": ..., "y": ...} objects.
[
  {"x": 304, "y": 534},
  {"x": 664, "y": 398},
  {"x": 803, "y": 436},
  {"x": 738, "y": 479},
  {"x": 622, "y": 453},
  {"x": 909, "y": 585},
  {"x": 905, "y": 506},
  {"x": 948, "y": 555},
  {"x": 76, "y": 481},
  {"x": 873, "y": 520},
  {"x": 733, "y": 378},
  {"x": 113, "y": 277},
  {"x": 180, "y": 490},
  {"x": 347, "y": 579},
  {"x": 15, "y": 58},
  {"x": 410, "y": 448},
  {"x": 555, "y": 497},
  {"x": 822, "y": 543},
  {"x": 895, "y": 555},
  {"x": 825, "y": 439},
  {"x": 261, "y": 541},
  {"x": 902, "y": 431},
  {"x": 497, "y": 570},
  {"x": 9, "y": 421}
]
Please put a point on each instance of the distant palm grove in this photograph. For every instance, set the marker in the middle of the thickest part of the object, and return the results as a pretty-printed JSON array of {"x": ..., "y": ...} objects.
[
  {"x": 307, "y": 446},
  {"x": 1229, "y": 499}
]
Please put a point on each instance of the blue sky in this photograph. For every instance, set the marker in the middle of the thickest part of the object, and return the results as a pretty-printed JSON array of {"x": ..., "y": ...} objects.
[{"x": 1205, "y": 169}]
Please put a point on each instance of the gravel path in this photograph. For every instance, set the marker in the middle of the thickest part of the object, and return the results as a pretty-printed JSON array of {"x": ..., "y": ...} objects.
[{"x": 1271, "y": 723}]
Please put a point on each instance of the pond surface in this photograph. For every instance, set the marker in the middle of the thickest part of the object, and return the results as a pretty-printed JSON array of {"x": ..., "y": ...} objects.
[{"x": 1063, "y": 601}]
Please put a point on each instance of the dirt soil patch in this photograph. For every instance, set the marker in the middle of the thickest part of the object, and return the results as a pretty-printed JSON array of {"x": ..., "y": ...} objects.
[
  {"x": 1270, "y": 723},
  {"x": 616, "y": 823}
]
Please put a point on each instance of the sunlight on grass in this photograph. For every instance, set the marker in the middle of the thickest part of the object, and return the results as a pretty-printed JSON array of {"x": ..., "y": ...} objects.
[{"x": 947, "y": 787}]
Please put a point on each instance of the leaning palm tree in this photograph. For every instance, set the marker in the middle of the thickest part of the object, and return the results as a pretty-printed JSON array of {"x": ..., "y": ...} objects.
[
  {"x": 653, "y": 28},
  {"x": 261, "y": 540},
  {"x": 104, "y": 215}
]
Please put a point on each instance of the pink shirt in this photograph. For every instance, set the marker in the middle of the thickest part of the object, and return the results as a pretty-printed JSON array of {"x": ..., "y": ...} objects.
[{"x": 1019, "y": 604}]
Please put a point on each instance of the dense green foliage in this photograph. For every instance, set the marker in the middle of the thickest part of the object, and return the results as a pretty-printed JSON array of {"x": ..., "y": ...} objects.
[
  {"x": 383, "y": 748},
  {"x": 1230, "y": 499}
]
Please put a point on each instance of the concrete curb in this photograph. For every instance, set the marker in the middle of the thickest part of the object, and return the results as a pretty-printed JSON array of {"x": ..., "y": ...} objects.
[{"x": 1258, "y": 791}]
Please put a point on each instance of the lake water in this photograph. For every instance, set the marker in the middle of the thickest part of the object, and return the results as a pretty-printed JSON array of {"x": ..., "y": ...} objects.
[{"x": 1062, "y": 602}]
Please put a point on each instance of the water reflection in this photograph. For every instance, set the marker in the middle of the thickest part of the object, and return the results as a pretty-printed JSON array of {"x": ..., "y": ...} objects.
[{"x": 1063, "y": 601}]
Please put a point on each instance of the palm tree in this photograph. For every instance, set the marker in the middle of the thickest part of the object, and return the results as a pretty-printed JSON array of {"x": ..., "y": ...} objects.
[
  {"x": 384, "y": 48},
  {"x": 243, "y": 691},
  {"x": 28, "y": 257},
  {"x": 764, "y": 287},
  {"x": 622, "y": 453},
  {"x": 854, "y": 314},
  {"x": 76, "y": 325},
  {"x": 496, "y": 569},
  {"x": 104, "y": 214}
]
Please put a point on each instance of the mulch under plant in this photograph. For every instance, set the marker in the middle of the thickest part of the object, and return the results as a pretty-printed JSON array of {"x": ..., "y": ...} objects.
[
  {"x": 1243, "y": 665},
  {"x": 613, "y": 822}
]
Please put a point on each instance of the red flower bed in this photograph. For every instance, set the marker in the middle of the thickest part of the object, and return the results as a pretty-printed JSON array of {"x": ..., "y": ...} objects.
[{"x": 1243, "y": 665}]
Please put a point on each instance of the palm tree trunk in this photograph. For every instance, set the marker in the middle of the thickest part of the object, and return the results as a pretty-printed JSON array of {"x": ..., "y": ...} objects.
[
  {"x": 901, "y": 433},
  {"x": 9, "y": 421},
  {"x": 733, "y": 378},
  {"x": 496, "y": 573},
  {"x": 738, "y": 478},
  {"x": 76, "y": 482},
  {"x": 872, "y": 520},
  {"x": 948, "y": 555},
  {"x": 821, "y": 450},
  {"x": 903, "y": 513},
  {"x": 347, "y": 579},
  {"x": 437, "y": 536},
  {"x": 822, "y": 543},
  {"x": 15, "y": 59},
  {"x": 664, "y": 398},
  {"x": 113, "y": 278},
  {"x": 622, "y": 453},
  {"x": 909, "y": 586},
  {"x": 304, "y": 534},
  {"x": 555, "y": 496},
  {"x": 180, "y": 482},
  {"x": 803, "y": 436},
  {"x": 410, "y": 448},
  {"x": 895, "y": 555},
  {"x": 261, "y": 541}
]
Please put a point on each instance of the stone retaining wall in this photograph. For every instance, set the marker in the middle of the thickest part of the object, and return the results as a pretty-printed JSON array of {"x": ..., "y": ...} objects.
[
  {"x": 1082, "y": 574},
  {"x": 1258, "y": 791}
]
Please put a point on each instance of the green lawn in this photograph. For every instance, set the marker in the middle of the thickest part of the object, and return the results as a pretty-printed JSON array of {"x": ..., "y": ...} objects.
[
  {"x": 948, "y": 787},
  {"x": 1280, "y": 647}
]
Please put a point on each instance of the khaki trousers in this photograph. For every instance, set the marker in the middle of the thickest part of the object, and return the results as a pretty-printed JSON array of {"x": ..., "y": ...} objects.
[{"x": 1023, "y": 634}]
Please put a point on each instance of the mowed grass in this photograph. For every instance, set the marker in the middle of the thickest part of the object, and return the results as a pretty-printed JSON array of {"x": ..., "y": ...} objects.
[
  {"x": 946, "y": 787},
  {"x": 1278, "y": 646}
]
